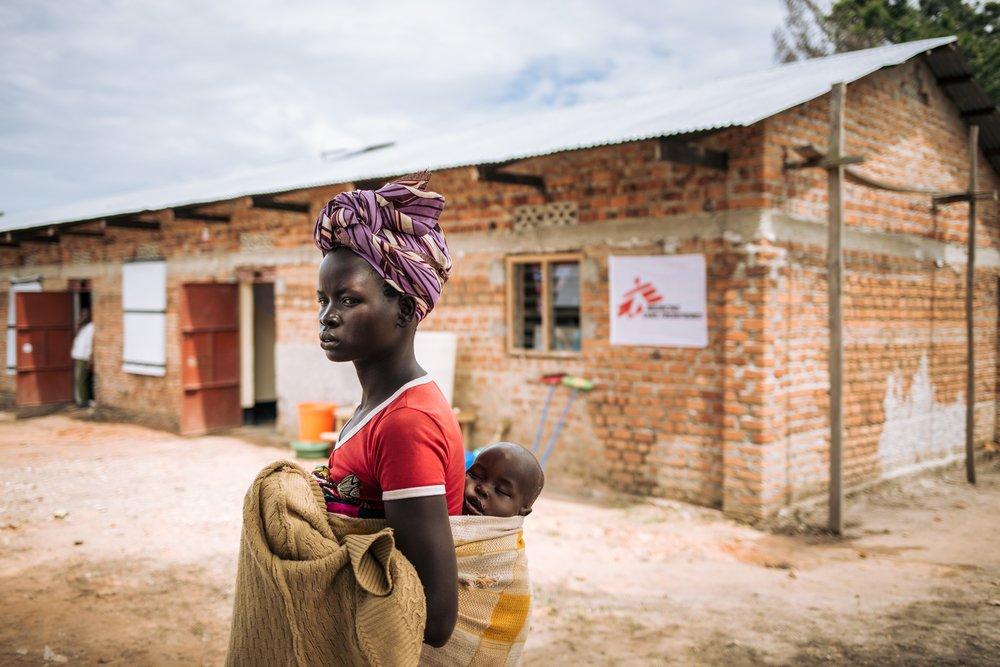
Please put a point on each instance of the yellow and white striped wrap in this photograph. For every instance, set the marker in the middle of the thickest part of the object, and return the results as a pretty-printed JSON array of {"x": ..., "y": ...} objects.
[
  {"x": 494, "y": 594},
  {"x": 494, "y": 591}
]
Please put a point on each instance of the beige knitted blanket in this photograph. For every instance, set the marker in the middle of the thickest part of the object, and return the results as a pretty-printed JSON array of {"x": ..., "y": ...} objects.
[
  {"x": 307, "y": 595},
  {"x": 318, "y": 588}
]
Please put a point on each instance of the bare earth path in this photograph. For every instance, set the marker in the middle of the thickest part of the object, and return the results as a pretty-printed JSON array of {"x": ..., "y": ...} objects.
[{"x": 140, "y": 571}]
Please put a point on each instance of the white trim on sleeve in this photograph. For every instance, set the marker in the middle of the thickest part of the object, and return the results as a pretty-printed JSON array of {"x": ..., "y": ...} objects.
[{"x": 414, "y": 492}]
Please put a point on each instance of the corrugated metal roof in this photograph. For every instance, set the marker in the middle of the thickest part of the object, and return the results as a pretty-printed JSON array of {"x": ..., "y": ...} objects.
[{"x": 735, "y": 101}]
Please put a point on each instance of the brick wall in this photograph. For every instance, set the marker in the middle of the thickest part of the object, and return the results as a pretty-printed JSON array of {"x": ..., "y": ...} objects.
[
  {"x": 903, "y": 287},
  {"x": 740, "y": 424}
]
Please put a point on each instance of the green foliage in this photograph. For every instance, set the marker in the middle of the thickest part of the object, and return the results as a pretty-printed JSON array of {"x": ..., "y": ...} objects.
[{"x": 809, "y": 30}]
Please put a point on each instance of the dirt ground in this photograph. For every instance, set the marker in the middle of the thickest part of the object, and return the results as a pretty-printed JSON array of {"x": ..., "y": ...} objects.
[{"x": 118, "y": 546}]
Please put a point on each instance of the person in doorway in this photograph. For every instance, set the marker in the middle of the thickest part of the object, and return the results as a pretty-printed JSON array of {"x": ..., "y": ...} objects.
[
  {"x": 82, "y": 354},
  {"x": 400, "y": 456}
]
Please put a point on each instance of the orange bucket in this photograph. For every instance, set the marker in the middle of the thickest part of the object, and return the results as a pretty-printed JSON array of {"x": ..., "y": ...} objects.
[{"x": 315, "y": 418}]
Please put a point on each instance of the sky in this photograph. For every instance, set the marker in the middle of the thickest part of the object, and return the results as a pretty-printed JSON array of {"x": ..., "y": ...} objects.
[{"x": 103, "y": 97}]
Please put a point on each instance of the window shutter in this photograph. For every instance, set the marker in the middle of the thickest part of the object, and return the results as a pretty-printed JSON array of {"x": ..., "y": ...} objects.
[
  {"x": 144, "y": 308},
  {"x": 15, "y": 287}
]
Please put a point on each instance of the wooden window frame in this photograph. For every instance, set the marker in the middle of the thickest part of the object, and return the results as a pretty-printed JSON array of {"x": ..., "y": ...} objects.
[{"x": 513, "y": 303}]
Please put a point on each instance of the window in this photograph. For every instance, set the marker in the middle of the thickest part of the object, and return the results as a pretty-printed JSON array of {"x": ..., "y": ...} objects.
[
  {"x": 29, "y": 285},
  {"x": 543, "y": 297},
  {"x": 144, "y": 307}
]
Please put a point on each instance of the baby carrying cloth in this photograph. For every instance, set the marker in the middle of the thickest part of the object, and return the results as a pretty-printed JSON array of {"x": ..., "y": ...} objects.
[
  {"x": 494, "y": 594},
  {"x": 396, "y": 230}
]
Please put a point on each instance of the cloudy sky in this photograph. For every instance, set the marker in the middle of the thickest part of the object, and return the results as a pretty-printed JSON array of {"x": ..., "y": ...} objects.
[{"x": 105, "y": 96}]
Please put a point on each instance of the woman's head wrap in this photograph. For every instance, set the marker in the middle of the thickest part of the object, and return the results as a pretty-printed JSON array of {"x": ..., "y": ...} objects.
[{"x": 394, "y": 229}]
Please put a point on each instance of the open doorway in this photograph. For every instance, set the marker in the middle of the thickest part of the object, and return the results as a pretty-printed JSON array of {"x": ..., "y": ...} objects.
[
  {"x": 80, "y": 289},
  {"x": 83, "y": 392},
  {"x": 258, "y": 381},
  {"x": 264, "y": 409}
]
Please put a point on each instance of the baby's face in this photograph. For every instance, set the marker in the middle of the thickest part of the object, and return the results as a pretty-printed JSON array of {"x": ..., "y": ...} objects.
[{"x": 497, "y": 484}]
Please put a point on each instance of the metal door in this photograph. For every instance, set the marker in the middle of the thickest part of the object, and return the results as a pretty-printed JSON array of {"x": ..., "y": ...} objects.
[
  {"x": 44, "y": 340},
  {"x": 210, "y": 353}
]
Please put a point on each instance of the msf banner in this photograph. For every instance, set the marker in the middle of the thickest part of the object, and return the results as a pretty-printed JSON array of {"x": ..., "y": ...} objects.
[{"x": 658, "y": 300}]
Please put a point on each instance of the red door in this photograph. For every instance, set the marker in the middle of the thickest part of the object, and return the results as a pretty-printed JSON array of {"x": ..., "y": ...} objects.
[
  {"x": 210, "y": 354},
  {"x": 44, "y": 341}
]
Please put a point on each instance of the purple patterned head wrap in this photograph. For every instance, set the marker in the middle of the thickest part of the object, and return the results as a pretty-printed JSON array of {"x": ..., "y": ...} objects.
[{"x": 394, "y": 229}]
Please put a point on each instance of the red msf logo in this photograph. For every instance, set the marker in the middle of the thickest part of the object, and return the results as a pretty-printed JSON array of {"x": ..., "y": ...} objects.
[{"x": 638, "y": 299}]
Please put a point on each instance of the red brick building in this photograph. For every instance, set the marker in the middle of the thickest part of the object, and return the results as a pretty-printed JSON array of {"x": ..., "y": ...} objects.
[{"x": 536, "y": 207}]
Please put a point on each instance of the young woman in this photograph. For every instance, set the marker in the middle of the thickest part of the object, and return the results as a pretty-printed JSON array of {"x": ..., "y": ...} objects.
[{"x": 400, "y": 456}]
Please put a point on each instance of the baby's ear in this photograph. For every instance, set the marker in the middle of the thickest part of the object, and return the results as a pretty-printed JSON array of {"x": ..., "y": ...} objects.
[{"x": 525, "y": 511}]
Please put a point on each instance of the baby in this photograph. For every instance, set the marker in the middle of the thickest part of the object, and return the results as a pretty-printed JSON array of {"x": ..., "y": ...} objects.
[{"x": 504, "y": 480}]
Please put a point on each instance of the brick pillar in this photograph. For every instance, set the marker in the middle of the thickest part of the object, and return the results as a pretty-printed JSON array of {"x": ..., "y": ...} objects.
[{"x": 753, "y": 455}]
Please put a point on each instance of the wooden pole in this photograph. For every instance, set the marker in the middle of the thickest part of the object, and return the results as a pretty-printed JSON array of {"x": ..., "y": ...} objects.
[
  {"x": 834, "y": 270},
  {"x": 970, "y": 291}
]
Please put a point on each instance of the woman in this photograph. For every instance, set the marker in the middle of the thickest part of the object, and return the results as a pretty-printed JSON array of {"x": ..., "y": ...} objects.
[{"x": 400, "y": 456}]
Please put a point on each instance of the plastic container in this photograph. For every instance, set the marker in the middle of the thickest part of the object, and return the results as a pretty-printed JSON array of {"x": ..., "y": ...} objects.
[
  {"x": 314, "y": 418},
  {"x": 311, "y": 450}
]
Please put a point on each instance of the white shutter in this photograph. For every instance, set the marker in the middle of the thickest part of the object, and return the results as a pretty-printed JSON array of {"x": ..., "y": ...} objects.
[
  {"x": 144, "y": 308},
  {"x": 32, "y": 285}
]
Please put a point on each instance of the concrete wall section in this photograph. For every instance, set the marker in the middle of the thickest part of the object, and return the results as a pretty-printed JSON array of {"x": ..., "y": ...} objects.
[{"x": 304, "y": 374}]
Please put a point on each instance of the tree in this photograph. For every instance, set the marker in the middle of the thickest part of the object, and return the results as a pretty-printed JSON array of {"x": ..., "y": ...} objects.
[{"x": 847, "y": 25}]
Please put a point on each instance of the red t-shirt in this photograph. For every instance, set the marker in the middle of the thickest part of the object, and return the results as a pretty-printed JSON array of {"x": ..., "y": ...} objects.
[{"x": 408, "y": 447}]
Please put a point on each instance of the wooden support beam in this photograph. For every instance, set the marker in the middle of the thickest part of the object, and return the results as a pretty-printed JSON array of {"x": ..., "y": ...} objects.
[
  {"x": 682, "y": 151},
  {"x": 131, "y": 222},
  {"x": 814, "y": 158},
  {"x": 824, "y": 163},
  {"x": 270, "y": 203},
  {"x": 493, "y": 174},
  {"x": 32, "y": 235},
  {"x": 974, "y": 114},
  {"x": 37, "y": 238},
  {"x": 195, "y": 213},
  {"x": 72, "y": 231},
  {"x": 970, "y": 287},
  {"x": 953, "y": 197},
  {"x": 834, "y": 280},
  {"x": 91, "y": 228},
  {"x": 954, "y": 80}
]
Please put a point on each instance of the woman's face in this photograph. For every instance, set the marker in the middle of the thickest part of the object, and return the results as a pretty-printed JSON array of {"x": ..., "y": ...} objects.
[{"x": 357, "y": 320}]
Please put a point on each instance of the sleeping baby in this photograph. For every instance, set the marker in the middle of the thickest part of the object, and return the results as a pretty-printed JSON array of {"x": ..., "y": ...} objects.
[{"x": 504, "y": 480}]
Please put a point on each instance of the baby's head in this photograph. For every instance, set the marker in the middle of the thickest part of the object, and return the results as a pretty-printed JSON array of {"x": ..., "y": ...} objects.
[{"x": 504, "y": 480}]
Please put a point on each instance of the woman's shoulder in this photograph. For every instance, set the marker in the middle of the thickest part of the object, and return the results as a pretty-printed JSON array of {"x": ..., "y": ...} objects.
[
  {"x": 426, "y": 397},
  {"x": 418, "y": 406}
]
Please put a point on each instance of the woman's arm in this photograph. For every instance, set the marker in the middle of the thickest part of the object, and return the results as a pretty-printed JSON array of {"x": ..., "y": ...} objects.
[{"x": 423, "y": 535}]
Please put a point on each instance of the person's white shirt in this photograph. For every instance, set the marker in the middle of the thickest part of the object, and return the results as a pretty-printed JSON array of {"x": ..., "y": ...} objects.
[{"x": 83, "y": 343}]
